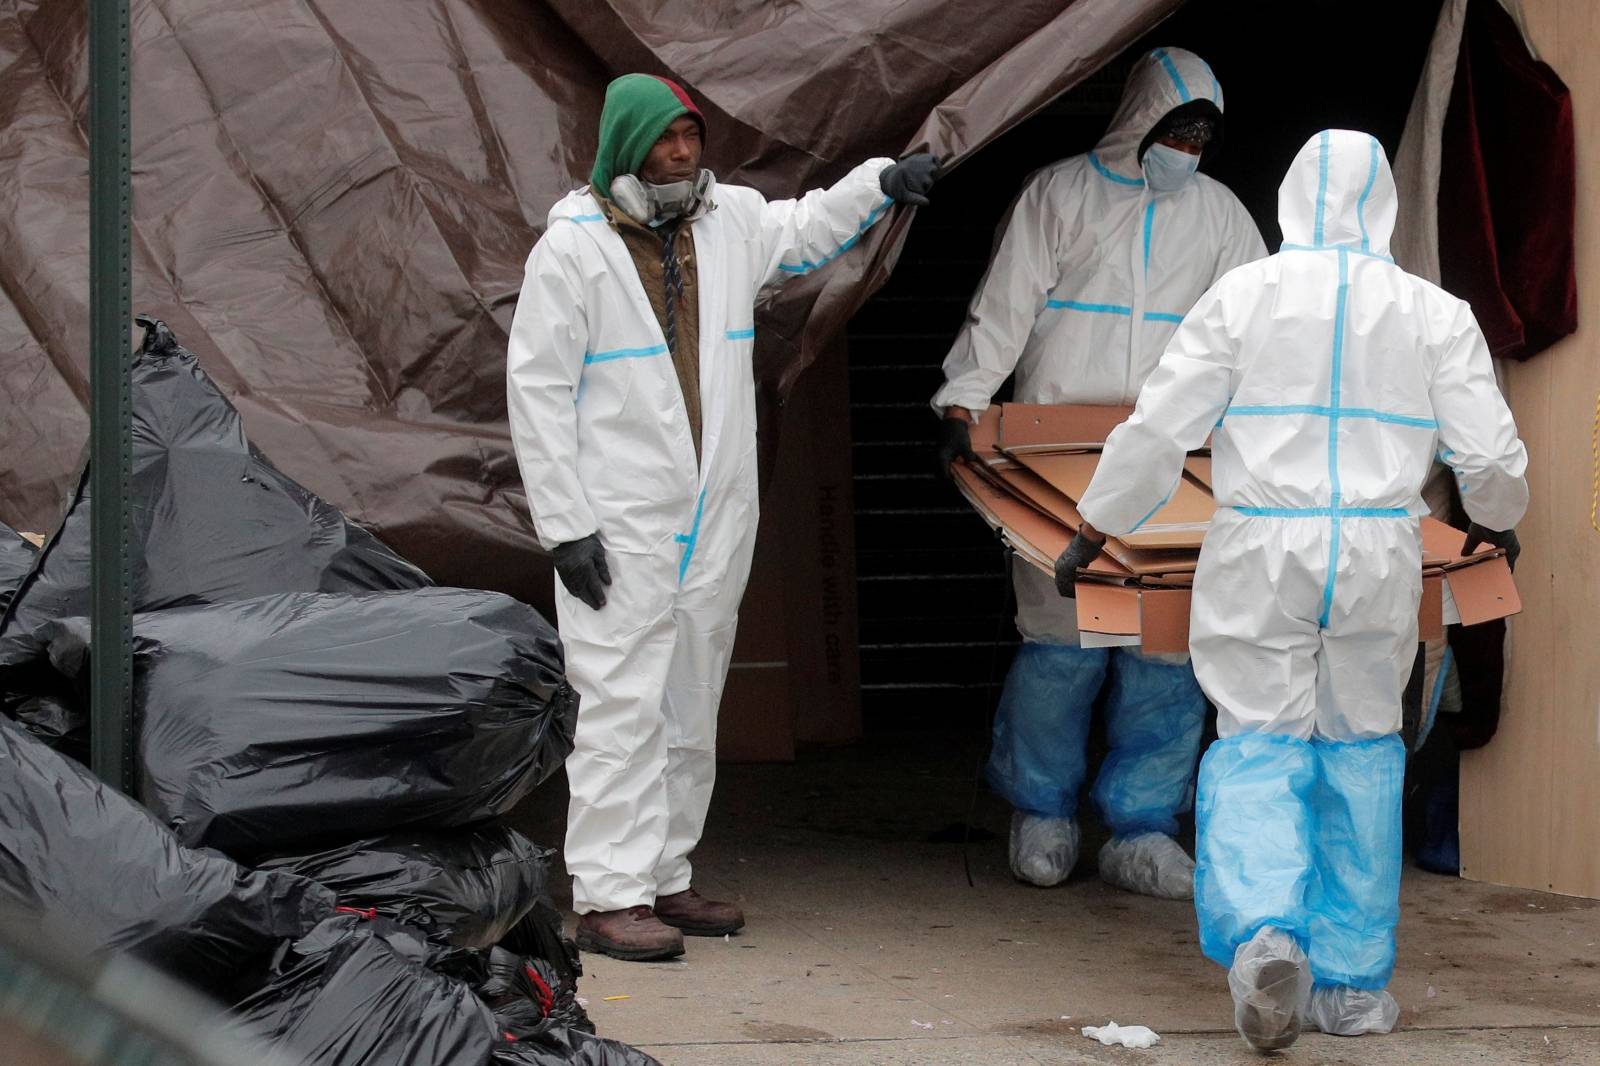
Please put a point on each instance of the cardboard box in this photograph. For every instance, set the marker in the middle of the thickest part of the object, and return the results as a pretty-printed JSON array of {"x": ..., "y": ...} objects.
[{"x": 1036, "y": 460}]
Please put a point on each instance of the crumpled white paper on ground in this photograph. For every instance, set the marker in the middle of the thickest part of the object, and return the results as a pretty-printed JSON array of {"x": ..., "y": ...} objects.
[{"x": 1131, "y": 1036}]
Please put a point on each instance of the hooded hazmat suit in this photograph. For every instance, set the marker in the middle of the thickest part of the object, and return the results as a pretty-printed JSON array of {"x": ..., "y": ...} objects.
[
  {"x": 1328, "y": 379},
  {"x": 602, "y": 437},
  {"x": 1092, "y": 275}
]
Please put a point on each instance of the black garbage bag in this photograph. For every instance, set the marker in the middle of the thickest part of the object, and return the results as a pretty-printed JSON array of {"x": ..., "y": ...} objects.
[
  {"x": 366, "y": 1003},
  {"x": 49, "y": 707},
  {"x": 539, "y": 936},
  {"x": 361, "y": 991},
  {"x": 16, "y": 559},
  {"x": 560, "y": 1046},
  {"x": 463, "y": 964},
  {"x": 305, "y": 719},
  {"x": 213, "y": 521},
  {"x": 465, "y": 887},
  {"x": 538, "y": 940},
  {"x": 81, "y": 858},
  {"x": 528, "y": 995}
]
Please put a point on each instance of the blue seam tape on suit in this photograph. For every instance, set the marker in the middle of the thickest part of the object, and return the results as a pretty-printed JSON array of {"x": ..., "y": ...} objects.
[
  {"x": 1341, "y": 309},
  {"x": 1350, "y": 248},
  {"x": 1322, "y": 187},
  {"x": 1149, "y": 224},
  {"x": 1361, "y": 204},
  {"x": 1110, "y": 309},
  {"x": 806, "y": 266},
  {"x": 1172, "y": 72},
  {"x": 1107, "y": 172},
  {"x": 1328, "y": 412},
  {"x": 690, "y": 540},
  {"x": 624, "y": 353},
  {"x": 1323, "y": 512}
]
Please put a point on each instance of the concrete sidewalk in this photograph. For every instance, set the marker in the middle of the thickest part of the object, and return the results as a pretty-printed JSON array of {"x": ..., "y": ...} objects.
[{"x": 866, "y": 945}]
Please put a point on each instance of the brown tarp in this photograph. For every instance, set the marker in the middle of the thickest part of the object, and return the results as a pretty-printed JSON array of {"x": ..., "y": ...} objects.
[{"x": 333, "y": 201}]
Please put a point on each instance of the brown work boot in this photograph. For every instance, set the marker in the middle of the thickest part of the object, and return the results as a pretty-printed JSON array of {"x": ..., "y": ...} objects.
[
  {"x": 633, "y": 935},
  {"x": 694, "y": 914}
]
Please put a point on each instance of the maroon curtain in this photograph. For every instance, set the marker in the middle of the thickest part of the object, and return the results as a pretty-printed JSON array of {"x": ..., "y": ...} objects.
[{"x": 1506, "y": 189}]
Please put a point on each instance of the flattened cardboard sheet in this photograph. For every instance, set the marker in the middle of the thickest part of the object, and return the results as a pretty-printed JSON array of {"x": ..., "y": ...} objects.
[
  {"x": 1017, "y": 480},
  {"x": 1025, "y": 425},
  {"x": 1108, "y": 608},
  {"x": 1180, "y": 523},
  {"x": 1484, "y": 591},
  {"x": 1030, "y": 499},
  {"x": 1164, "y": 618},
  {"x": 1430, "y": 613},
  {"x": 1042, "y": 536},
  {"x": 1442, "y": 544},
  {"x": 985, "y": 433}
]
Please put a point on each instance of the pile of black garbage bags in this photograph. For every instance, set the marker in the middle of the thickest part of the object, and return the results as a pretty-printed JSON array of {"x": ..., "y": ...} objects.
[{"x": 325, "y": 742}]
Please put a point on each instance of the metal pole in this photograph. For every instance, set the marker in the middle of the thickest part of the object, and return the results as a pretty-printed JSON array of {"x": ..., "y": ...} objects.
[{"x": 110, "y": 410}]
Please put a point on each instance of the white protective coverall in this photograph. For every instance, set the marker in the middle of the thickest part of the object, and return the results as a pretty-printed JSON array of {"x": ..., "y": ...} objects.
[
  {"x": 1092, "y": 275},
  {"x": 1328, "y": 379},
  {"x": 603, "y": 441}
]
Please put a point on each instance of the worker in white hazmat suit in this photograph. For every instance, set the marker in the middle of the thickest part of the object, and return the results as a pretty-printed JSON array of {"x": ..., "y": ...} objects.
[
  {"x": 1101, "y": 257},
  {"x": 1328, "y": 379},
  {"x": 632, "y": 409}
]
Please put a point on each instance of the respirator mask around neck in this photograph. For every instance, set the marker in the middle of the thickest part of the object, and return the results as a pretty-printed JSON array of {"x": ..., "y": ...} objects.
[{"x": 656, "y": 205}]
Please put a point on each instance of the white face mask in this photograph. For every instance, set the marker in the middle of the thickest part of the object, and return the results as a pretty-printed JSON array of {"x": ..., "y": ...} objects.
[{"x": 1167, "y": 168}]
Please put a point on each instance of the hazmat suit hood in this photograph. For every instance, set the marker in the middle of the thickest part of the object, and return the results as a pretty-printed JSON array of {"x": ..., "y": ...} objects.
[
  {"x": 1338, "y": 191},
  {"x": 1161, "y": 82}
]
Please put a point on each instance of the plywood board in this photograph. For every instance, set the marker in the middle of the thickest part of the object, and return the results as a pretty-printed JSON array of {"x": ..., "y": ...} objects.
[
  {"x": 1568, "y": 34},
  {"x": 1529, "y": 801}
]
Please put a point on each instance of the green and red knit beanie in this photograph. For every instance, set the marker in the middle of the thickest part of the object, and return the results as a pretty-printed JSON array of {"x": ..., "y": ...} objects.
[{"x": 638, "y": 109}]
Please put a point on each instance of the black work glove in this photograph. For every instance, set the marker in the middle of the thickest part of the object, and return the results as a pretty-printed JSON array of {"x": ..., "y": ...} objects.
[
  {"x": 1506, "y": 539},
  {"x": 583, "y": 569},
  {"x": 1079, "y": 554},
  {"x": 908, "y": 181},
  {"x": 955, "y": 442}
]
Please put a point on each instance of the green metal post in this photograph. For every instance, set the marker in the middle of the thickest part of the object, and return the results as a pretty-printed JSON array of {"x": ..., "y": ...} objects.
[{"x": 110, "y": 409}]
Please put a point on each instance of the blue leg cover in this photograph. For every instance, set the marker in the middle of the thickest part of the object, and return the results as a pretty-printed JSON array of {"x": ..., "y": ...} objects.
[
  {"x": 1155, "y": 713},
  {"x": 1253, "y": 846},
  {"x": 1037, "y": 762},
  {"x": 1355, "y": 899}
]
